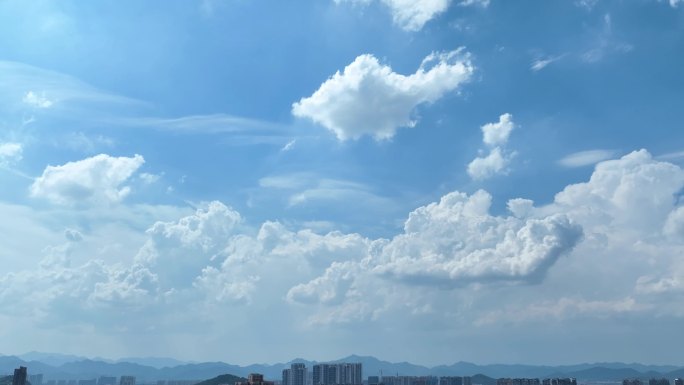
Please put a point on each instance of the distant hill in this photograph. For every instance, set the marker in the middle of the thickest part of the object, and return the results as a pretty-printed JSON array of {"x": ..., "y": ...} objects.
[
  {"x": 482, "y": 374},
  {"x": 155, "y": 362},
  {"x": 607, "y": 374},
  {"x": 373, "y": 366},
  {"x": 222, "y": 379},
  {"x": 52, "y": 359},
  {"x": 679, "y": 373},
  {"x": 481, "y": 379},
  {"x": 94, "y": 369}
]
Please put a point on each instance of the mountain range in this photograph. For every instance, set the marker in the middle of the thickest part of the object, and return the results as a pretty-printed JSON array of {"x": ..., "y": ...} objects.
[{"x": 60, "y": 366}]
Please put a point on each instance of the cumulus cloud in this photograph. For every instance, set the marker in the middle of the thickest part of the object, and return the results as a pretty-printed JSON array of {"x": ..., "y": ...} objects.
[
  {"x": 457, "y": 240},
  {"x": 10, "y": 152},
  {"x": 664, "y": 285},
  {"x": 328, "y": 288},
  {"x": 180, "y": 250},
  {"x": 635, "y": 192},
  {"x": 95, "y": 180},
  {"x": 626, "y": 213},
  {"x": 586, "y": 158},
  {"x": 369, "y": 98},
  {"x": 495, "y": 136},
  {"x": 485, "y": 167},
  {"x": 411, "y": 15},
  {"x": 73, "y": 235},
  {"x": 58, "y": 291},
  {"x": 38, "y": 101}
]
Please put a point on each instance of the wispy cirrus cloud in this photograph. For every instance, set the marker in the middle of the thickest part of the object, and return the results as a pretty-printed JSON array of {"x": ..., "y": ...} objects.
[
  {"x": 586, "y": 158},
  {"x": 541, "y": 63}
]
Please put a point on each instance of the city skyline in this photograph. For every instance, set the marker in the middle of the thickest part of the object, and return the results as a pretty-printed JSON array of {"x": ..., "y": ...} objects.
[{"x": 429, "y": 181}]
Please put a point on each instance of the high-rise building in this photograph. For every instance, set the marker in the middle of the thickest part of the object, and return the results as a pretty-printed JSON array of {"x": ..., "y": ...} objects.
[
  {"x": 36, "y": 379},
  {"x": 127, "y": 380},
  {"x": 455, "y": 380},
  {"x": 286, "y": 377},
  {"x": 297, "y": 374},
  {"x": 342, "y": 373},
  {"x": 19, "y": 376},
  {"x": 104, "y": 380},
  {"x": 518, "y": 381},
  {"x": 559, "y": 381},
  {"x": 631, "y": 381},
  {"x": 409, "y": 380},
  {"x": 86, "y": 382},
  {"x": 678, "y": 381}
]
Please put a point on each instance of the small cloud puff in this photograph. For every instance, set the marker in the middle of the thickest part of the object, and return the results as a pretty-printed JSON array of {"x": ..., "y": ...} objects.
[{"x": 97, "y": 180}]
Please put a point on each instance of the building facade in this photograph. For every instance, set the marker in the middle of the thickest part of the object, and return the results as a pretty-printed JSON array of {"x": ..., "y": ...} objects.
[
  {"x": 343, "y": 373},
  {"x": 19, "y": 377},
  {"x": 36, "y": 379}
]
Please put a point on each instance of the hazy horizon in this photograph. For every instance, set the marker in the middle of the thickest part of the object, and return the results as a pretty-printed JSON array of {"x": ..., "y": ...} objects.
[
  {"x": 313, "y": 359},
  {"x": 429, "y": 181}
]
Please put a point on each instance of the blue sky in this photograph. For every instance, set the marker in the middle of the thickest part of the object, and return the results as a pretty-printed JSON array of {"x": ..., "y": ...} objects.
[{"x": 475, "y": 180}]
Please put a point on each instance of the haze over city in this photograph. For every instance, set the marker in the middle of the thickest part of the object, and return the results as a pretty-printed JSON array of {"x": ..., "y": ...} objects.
[{"x": 431, "y": 181}]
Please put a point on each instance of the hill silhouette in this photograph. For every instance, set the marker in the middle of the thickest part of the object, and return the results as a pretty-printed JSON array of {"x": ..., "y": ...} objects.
[{"x": 223, "y": 379}]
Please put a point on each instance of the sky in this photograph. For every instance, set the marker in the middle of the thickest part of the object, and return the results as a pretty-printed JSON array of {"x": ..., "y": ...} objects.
[{"x": 428, "y": 181}]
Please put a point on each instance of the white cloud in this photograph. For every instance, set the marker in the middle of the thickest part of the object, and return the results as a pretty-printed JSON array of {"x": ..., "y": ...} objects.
[
  {"x": 368, "y": 98},
  {"x": 10, "y": 152},
  {"x": 38, "y": 101},
  {"x": 148, "y": 178},
  {"x": 675, "y": 3},
  {"x": 73, "y": 235},
  {"x": 328, "y": 288},
  {"x": 456, "y": 240},
  {"x": 541, "y": 63},
  {"x": 468, "y": 3},
  {"x": 454, "y": 263},
  {"x": 289, "y": 145},
  {"x": 672, "y": 156},
  {"x": 520, "y": 207},
  {"x": 411, "y": 15},
  {"x": 586, "y": 158},
  {"x": 634, "y": 192},
  {"x": 665, "y": 285},
  {"x": 95, "y": 180},
  {"x": 625, "y": 211},
  {"x": 495, "y": 136},
  {"x": 209, "y": 124},
  {"x": 485, "y": 167}
]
